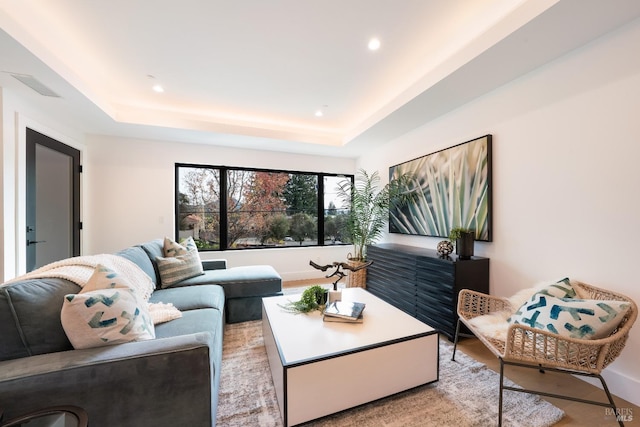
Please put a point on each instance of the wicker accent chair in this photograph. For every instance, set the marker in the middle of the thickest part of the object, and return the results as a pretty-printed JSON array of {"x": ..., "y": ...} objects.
[{"x": 533, "y": 348}]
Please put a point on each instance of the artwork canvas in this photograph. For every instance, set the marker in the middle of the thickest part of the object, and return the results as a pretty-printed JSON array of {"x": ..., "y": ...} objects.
[{"x": 452, "y": 189}]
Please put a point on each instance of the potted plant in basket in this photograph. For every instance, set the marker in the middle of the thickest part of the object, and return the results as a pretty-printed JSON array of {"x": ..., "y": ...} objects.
[
  {"x": 369, "y": 203},
  {"x": 464, "y": 239}
]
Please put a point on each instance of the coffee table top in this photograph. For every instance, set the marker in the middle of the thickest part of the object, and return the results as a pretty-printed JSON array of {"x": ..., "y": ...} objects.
[{"x": 306, "y": 337}]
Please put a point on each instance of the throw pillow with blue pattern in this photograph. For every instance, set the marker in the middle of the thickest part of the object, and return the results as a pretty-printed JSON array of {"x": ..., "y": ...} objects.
[
  {"x": 105, "y": 278},
  {"x": 106, "y": 311},
  {"x": 571, "y": 317},
  {"x": 560, "y": 289}
]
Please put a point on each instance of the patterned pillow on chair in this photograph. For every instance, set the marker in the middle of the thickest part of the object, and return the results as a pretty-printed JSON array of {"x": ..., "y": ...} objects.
[
  {"x": 571, "y": 317},
  {"x": 496, "y": 324},
  {"x": 560, "y": 289}
]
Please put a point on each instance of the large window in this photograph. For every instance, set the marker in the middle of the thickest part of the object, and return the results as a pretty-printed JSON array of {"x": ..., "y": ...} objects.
[{"x": 232, "y": 208}]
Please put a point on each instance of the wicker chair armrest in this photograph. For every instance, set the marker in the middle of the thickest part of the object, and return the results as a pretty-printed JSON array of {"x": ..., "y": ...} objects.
[
  {"x": 530, "y": 345},
  {"x": 472, "y": 304}
]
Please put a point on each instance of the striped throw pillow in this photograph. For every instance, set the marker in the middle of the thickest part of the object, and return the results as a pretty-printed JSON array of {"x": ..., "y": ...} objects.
[{"x": 178, "y": 268}]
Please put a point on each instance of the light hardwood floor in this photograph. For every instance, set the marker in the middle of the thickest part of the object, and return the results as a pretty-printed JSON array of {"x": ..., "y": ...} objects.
[{"x": 576, "y": 414}]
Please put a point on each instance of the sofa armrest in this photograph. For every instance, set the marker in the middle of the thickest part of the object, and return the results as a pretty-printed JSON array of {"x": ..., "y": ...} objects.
[
  {"x": 161, "y": 382},
  {"x": 214, "y": 264}
]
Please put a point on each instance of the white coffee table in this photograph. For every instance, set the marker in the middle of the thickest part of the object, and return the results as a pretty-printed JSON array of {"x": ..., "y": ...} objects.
[{"x": 320, "y": 368}]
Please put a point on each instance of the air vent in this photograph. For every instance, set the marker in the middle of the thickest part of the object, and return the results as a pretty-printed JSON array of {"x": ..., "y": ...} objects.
[{"x": 35, "y": 84}]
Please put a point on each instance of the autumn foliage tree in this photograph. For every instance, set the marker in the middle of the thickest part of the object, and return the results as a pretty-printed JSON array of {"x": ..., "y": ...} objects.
[
  {"x": 259, "y": 207},
  {"x": 261, "y": 202}
]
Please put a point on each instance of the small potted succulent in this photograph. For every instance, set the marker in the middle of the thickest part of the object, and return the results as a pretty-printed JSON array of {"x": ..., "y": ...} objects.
[
  {"x": 464, "y": 239},
  {"x": 312, "y": 298}
]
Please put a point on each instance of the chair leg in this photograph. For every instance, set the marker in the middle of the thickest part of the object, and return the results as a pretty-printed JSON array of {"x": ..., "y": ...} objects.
[
  {"x": 501, "y": 392},
  {"x": 610, "y": 404},
  {"x": 613, "y": 405},
  {"x": 455, "y": 341}
]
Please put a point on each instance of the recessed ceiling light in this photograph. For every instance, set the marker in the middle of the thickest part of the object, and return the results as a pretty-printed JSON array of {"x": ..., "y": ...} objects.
[
  {"x": 157, "y": 87},
  {"x": 374, "y": 44},
  {"x": 320, "y": 111}
]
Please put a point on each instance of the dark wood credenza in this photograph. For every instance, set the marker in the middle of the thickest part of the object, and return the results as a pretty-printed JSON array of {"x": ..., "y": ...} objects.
[{"x": 421, "y": 283}]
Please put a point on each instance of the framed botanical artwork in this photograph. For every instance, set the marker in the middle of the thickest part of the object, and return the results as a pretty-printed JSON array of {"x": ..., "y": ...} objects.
[{"x": 452, "y": 189}]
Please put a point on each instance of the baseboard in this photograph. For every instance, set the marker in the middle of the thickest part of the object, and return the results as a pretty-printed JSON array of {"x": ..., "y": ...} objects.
[{"x": 619, "y": 385}]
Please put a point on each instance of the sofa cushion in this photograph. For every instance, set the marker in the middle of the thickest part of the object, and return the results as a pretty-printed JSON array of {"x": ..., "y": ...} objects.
[
  {"x": 192, "y": 297},
  {"x": 139, "y": 256},
  {"x": 30, "y": 317},
  {"x": 174, "y": 269},
  {"x": 250, "y": 280},
  {"x": 192, "y": 321},
  {"x": 154, "y": 250},
  {"x": 105, "y": 317},
  {"x": 571, "y": 317}
]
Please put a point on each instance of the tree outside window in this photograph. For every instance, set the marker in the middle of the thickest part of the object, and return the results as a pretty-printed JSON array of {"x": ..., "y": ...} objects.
[
  {"x": 261, "y": 208},
  {"x": 199, "y": 206}
]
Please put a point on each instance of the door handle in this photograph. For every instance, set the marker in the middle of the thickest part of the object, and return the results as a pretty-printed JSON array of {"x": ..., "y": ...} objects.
[{"x": 33, "y": 242}]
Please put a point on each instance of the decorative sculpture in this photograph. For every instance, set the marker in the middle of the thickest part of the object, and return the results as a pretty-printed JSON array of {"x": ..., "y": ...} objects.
[
  {"x": 338, "y": 265},
  {"x": 445, "y": 248}
]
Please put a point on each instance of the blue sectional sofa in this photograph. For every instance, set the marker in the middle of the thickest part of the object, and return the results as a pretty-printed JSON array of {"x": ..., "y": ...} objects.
[
  {"x": 171, "y": 380},
  {"x": 244, "y": 287}
]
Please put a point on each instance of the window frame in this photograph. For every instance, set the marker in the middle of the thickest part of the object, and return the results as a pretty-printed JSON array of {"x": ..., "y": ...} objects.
[{"x": 223, "y": 208}]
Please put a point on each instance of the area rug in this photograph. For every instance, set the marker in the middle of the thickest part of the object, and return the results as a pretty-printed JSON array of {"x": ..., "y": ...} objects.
[{"x": 466, "y": 394}]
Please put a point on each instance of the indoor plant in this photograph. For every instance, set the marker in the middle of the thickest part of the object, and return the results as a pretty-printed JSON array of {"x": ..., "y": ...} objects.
[
  {"x": 464, "y": 239},
  {"x": 369, "y": 203},
  {"x": 312, "y": 298}
]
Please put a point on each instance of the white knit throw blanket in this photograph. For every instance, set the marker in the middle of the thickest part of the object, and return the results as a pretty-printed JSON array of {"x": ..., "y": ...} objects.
[{"x": 79, "y": 270}]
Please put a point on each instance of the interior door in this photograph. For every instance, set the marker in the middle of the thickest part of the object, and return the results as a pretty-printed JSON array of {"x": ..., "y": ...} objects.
[{"x": 53, "y": 200}]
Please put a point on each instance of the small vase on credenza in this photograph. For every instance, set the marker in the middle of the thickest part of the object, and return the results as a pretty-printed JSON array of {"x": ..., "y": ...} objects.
[{"x": 465, "y": 240}]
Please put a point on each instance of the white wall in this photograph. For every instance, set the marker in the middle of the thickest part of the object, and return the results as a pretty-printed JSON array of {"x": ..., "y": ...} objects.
[
  {"x": 130, "y": 183},
  {"x": 18, "y": 113},
  {"x": 566, "y": 144}
]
